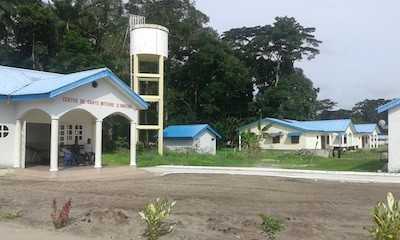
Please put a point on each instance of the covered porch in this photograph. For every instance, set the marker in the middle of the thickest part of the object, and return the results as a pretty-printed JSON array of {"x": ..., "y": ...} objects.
[{"x": 42, "y": 138}]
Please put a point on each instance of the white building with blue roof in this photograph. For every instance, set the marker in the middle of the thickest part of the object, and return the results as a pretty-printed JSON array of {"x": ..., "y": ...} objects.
[
  {"x": 286, "y": 134},
  {"x": 40, "y": 111},
  {"x": 393, "y": 109},
  {"x": 368, "y": 135},
  {"x": 200, "y": 138}
]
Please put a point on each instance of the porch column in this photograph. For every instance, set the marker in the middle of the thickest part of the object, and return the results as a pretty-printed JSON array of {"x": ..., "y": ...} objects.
[
  {"x": 240, "y": 142},
  {"x": 17, "y": 157},
  {"x": 54, "y": 145},
  {"x": 133, "y": 144},
  {"x": 98, "y": 148}
]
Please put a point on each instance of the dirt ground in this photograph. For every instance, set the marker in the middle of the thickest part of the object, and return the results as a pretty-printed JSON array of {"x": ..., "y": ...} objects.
[{"x": 211, "y": 207}]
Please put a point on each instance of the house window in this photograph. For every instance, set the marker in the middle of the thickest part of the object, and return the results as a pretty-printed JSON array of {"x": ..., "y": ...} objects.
[
  {"x": 69, "y": 132},
  {"x": 4, "y": 131},
  {"x": 295, "y": 139},
  {"x": 328, "y": 140},
  {"x": 345, "y": 140},
  {"x": 276, "y": 139}
]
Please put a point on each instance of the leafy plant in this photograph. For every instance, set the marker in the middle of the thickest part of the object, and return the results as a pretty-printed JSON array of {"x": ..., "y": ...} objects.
[
  {"x": 154, "y": 214},
  {"x": 387, "y": 219},
  {"x": 61, "y": 217},
  {"x": 250, "y": 141},
  {"x": 271, "y": 226}
]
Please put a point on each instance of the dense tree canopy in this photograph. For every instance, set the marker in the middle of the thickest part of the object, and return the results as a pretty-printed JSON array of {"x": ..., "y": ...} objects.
[
  {"x": 272, "y": 50},
  {"x": 224, "y": 80},
  {"x": 295, "y": 98}
]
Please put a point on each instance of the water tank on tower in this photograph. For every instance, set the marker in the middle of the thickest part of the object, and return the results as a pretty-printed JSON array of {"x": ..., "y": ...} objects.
[{"x": 148, "y": 51}]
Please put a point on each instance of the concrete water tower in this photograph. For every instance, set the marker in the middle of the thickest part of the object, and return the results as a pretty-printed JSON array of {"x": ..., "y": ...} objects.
[{"x": 148, "y": 51}]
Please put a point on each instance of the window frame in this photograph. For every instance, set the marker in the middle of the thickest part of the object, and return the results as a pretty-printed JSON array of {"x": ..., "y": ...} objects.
[
  {"x": 274, "y": 138},
  {"x": 4, "y": 131},
  {"x": 292, "y": 138}
]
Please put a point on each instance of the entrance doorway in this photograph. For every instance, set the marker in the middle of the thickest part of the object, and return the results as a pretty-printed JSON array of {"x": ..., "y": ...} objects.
[
  {"x": 37, "y": 144},
  {"x": 323, "y": 142}
]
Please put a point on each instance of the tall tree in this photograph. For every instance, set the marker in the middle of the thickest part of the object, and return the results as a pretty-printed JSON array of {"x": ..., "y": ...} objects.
[
  {"x": 271, "y": 50},
  {"x": 365, "y": 111},
  {"x": 335, "y": 114},
  {"x": 323, "y": 106},
  {"x": 295, "y": 98},
  {"x": 212, "y": 86}
]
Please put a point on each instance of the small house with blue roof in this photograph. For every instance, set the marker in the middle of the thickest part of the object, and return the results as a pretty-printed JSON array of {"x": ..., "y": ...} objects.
[
  {"x": 393, "y": 109},
  {"x": 200, "y": 138},
  {"x": 287, "y": 134},
  {"x": 368, "y": 135},
  {"x": 42, "y": 111}
]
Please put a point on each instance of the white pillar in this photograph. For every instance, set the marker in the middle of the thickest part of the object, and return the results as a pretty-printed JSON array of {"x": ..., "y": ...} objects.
[
  {"x": 54, "y": 145},
  {"x": 133, "y": 144},
  {"x": 240, "y": 141},
  {"x": 161, "y": 106},
  {"x": 17, "y": 157},
  {"x": 98, "y": 148},
  {"x": 23, "y": 144}
]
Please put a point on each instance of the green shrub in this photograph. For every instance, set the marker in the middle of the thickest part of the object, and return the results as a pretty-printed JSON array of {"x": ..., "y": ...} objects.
[
  {"x": 271, "y": 226},
  {"x": 387, "y": 219},
  {"x": 154, "y": 214}
]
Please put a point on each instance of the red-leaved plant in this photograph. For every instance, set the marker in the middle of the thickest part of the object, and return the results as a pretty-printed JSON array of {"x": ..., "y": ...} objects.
[{"x": 61, "y": 218}]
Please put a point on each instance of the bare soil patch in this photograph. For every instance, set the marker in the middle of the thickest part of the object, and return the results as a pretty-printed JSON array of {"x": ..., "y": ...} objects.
[{"x": 211, "y": 207}]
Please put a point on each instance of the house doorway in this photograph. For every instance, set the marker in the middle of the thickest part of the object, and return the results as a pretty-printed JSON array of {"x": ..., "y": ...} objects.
[
  {"x": 37, "y": 151},
  {"x": 323, "y": 142}
]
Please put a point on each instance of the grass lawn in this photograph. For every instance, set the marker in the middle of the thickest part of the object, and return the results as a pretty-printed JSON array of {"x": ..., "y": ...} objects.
[{"x": 350, "y": 161}]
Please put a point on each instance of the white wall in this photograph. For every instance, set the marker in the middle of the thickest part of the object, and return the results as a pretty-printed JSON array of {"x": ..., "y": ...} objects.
[
  {"x": 307, "y": 140},
  {"x": 206, "y": 143},
  {"x": 78, "y": 117},
  {"x": 394, "y": 140},
  {"x": 179, "y": 145},
  {"x": 7, "y": 117},
  {"x": 96, "y": 103},
  {"x": 93, "y": 100}
]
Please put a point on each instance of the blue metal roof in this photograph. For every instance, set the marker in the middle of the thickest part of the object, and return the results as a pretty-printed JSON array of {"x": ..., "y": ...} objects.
[
  {"x": 339, "y": 125},
  {"x": 18, "y": 84},
  {"x": 386, "y": 107},
  {"x": 366, "y": 128},
  {"x": 188, "y": 131}
]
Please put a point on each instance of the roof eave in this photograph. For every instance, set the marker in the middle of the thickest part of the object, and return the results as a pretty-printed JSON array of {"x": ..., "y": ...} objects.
[
  {"x": 106, "y": 73},
  {"x": 388, "y": 106}
]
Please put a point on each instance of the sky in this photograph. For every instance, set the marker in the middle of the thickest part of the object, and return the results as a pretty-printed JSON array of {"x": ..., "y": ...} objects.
[{"x": 360, "y": 52}]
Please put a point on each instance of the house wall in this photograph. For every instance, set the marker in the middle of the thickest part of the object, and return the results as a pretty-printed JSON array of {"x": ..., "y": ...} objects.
[
  {"x": 394, "y": 140},
  {"x": 101, "y": 102},
  {"x": 179, "y": 145},
  {"x": 307, "y": 140},
  {"x": 91, "y": 103},
  {"x": 206, "y": 143},
  {"x": 372, "y": 140},
  {"x": 7, "y": 117}
]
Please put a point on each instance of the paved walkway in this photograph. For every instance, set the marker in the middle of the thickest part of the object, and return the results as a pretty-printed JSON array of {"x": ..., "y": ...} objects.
[
  {"x": 79, "y": 173},
  {"x": 359, "y": 177}
]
